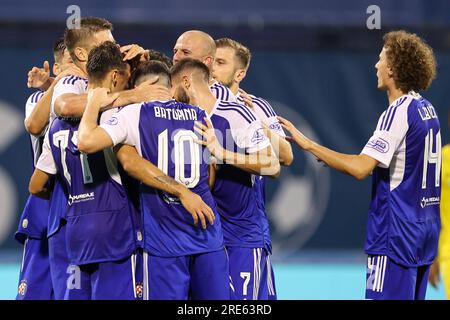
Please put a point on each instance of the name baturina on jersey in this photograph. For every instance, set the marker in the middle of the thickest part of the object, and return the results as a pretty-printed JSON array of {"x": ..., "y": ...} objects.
[{"x": 175, "y": 114}]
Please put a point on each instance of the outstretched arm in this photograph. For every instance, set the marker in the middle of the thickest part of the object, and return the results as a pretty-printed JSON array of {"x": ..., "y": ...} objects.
[
  {"x": 263, "y": 162},
  {"x": 359, "y": 166}
]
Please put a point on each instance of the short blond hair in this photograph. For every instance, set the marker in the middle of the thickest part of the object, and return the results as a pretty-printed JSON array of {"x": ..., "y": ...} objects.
[{"x": 242, "y": 52}]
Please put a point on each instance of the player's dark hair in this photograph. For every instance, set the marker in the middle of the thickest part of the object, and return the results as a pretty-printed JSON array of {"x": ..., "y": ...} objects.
[
  {"x": 411, "y": 60},
  {"x": 104, "y": 58},
  {"x": 58, "y": 49},
  {"x": 242, "y": 53},
  {"x": 189, "y": 64},
  {"x": 78, "y": 37},
  {"x": 159, "y": 56},
  {"x": 152, "y": 67}
]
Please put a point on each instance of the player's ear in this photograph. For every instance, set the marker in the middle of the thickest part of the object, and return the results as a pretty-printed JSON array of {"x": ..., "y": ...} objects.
[
  {"x": 81, "y": 54},
  {"x": 185, "y": 81},
  {"x": 208, "y": 61},
  {"x": 240, "y": 75},
  {"x": 56, "y": 69},
  {"x": 114, "y": 78}
]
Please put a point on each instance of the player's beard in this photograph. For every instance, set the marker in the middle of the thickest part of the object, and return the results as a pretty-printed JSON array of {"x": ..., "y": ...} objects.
[{"x": 181, "y": 95}]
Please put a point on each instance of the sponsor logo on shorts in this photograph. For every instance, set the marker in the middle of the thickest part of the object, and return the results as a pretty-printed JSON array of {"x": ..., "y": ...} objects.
[
  {"x": 22, "y": 290},
  {"x": 432, "y": 201},
  {"x": 379, "y": 145},
  {"x": 81, "y": 197}
]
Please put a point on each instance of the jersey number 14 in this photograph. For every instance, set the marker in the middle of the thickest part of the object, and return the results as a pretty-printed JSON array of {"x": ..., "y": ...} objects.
[{"x": 432, "y": 157}]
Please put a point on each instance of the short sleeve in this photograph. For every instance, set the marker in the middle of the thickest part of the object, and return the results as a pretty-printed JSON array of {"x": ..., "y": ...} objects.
[
  {"x": 69, "y": 84},
  {"x": 123, "y": 126},
  {"x": 267, "y": 115},
  {"x": 389, "y": 134},
  {"x": 46, "y": 161}
]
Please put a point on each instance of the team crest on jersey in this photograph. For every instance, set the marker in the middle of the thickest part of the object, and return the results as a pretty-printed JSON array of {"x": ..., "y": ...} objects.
[
  {"x": 139, "y": 290},
  {"x": 378, "y": 144},
  {"x": 258, "y": 136},
  {"x": 22, "y": 290},
  {"x": 276, "y": 126}
]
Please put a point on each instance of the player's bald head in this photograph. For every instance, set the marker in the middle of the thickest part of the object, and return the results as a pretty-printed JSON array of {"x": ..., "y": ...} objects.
[{"x": 195, "y": 44}]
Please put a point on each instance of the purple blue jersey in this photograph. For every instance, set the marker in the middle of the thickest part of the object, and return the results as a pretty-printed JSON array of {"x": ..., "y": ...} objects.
[
  {"x": 34, "y": 218},
  {"x": 265, "y": 113},
  {"x": 100, "y": 219},
  {"x": 244, "y": 221},
  {"x": 58, "y": 205},
  {"x": 162, "y": 132},
  {"x": 404, "y": 215}
]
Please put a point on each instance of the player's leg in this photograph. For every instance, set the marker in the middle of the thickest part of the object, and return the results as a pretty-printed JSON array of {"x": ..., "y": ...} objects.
[
  {"x": 116, "y": 280},
  {"x": 210, "y": 277},
  {"x": 387, "y": 280},
  {"x": 166, "y": 278},
  {"x": 267, "y": 290},
  {"x": 35, "y": 282},
  {"x": 245, "y": 271},
  {"x": 422, "y": 282}
]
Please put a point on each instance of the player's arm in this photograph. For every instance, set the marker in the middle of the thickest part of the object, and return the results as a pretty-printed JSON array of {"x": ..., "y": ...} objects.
[
  {"x": 143, "y": 170},
  {"x": 38, "y": 184},
  {"x": 359, "y": 166},
  {"x": 262, "y": 162},
  {"x": 45, "y": 168},
  {"x": 38, "y": 119},
  {"x": 282, "y": 148},
  {"x": 212, "y": 168},
  {"x": 91, "y": 137}
]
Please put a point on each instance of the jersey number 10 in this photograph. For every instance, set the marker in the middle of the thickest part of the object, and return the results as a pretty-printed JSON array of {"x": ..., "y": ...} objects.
[{"x": 179, "y": 160}]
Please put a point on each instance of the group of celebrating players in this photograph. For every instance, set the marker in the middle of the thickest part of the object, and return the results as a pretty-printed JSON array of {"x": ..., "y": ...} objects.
[{"x": 150, "y": 173}]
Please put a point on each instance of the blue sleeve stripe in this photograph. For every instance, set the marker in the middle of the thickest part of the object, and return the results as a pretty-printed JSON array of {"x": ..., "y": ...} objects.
[
  {"x": 386, "y": 119},
  {"x": 238, "y": 111},
  {"x": 243, "y": 107},
  {"x": 265, "y": 107},
  {"x": 392, "y": 119},
  {"x": 269, "y": 107}
]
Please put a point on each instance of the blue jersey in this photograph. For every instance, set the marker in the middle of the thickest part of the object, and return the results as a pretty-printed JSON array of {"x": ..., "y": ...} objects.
[
  {"x": 100, "y": 219},
  {"x": 265, "y": 113},
  {"x": 244, "y": 221},
  {"x": 404, "y": 217},
  {"x": 162, "y": 133},
  {"x": 33, "y": 221}
]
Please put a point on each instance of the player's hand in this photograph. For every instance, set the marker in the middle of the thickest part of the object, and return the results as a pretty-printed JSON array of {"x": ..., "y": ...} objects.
[
  {"x": 198, "y": 209},
  {"x": 148, "y": 91},
  {"x": 299, "y": 138},
  {"x": 434, "y": 276},
  {"x": 39, "y": 77},
  {"x": 209, "y": 140},
  {"x": 133, "y": 50},
  {"x": 247, "y": 99},
  {"x": 100, "y": 97}
]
